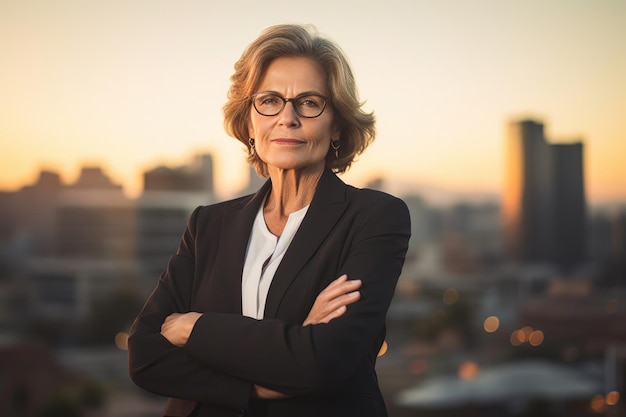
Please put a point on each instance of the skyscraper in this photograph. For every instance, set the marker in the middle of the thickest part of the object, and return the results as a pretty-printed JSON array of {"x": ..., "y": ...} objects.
[
  {"x": 570, "y": 231},
  {"x": 544, "y": 203}
]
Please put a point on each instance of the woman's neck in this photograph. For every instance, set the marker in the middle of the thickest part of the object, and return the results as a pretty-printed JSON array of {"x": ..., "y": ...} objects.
[{"x": 291, "y": 191}]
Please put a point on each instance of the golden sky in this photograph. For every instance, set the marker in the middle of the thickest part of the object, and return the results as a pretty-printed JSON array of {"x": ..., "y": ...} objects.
[{"x": 129, "y": 84}]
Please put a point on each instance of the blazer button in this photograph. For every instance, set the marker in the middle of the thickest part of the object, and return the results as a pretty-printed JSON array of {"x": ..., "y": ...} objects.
[{"x": 241, "y": 413}]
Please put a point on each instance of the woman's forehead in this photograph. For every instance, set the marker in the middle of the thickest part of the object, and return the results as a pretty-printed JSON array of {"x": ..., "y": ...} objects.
[{"x": 293, "y": 75}]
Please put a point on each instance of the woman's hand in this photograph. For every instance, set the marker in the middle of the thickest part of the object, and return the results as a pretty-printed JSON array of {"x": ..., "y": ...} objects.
[
  {"x": 267, "y": 394},
  {"x": 177, "y": 327},
  {"x": 331, "y": 303}
]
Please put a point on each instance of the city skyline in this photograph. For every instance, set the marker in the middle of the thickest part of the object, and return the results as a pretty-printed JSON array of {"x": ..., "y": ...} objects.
[{"x": 128, "y": 86}]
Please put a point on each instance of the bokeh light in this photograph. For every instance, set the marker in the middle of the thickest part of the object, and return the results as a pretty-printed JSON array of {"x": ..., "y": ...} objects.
[
  {"x": 527, "y": 330},
  {"x": 527, "y": 334},
  {"x": 491, "y": 324},
  {"x": 121, "y": 340},
  {"x": 468, "y": 370},
  {"x": 383, "y": 348},
  {"x": 517, "y": 337},
  {"x": 597, "y": 404},
  {"x": 536, "y": 338},
  {"x": 612, "y": 398}
]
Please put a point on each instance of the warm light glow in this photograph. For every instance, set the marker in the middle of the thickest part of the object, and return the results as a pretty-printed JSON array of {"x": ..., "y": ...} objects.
[
  {"x": 517, "y": 338},
  {"x": 612, "y": 398},
  {"x": 527, "y": 330},
  {"x": 597, "y": 404},
  {"x": 536, "y": 338},
  {"x": 383, "y": 348},
  {"x": 491, "y": 324},
  {"x": 612, "y": 306},
  {"x": 450, "y": 296},
  {"x": 527, "y": 334},
  {"x": 512, "y": 195},
  {"x": 468, "y": 370},
  {"x": 121, "y": 340},
  {"x": 520, "y": 336}
]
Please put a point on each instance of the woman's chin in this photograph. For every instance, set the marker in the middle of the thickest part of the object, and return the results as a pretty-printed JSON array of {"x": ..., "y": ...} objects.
[{"x": 293, "y": 164}]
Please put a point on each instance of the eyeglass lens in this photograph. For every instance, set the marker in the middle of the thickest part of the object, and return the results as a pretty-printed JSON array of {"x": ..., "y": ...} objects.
[{"x": 270, "y": 104}]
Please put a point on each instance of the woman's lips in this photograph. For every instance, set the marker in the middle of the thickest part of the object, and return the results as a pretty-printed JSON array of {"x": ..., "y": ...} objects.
[{"x": 285, "y": 141}]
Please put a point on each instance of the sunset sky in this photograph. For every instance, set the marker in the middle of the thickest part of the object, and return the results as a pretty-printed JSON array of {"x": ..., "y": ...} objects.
[{"x": 132, "y": 84}]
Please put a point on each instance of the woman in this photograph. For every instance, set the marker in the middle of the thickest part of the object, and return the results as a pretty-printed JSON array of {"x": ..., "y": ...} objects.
[{"x": 275, "y": 303}]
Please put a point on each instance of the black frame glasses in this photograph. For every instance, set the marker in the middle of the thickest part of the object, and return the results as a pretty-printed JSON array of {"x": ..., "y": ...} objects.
[{"x": 307, "y": 105}]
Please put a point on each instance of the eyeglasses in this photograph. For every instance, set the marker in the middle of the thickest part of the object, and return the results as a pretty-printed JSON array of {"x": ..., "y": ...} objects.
[{"x": 307, "y": 105}]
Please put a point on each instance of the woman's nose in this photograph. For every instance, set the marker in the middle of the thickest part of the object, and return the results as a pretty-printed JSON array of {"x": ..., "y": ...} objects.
[{"x": 289, "y": 116}]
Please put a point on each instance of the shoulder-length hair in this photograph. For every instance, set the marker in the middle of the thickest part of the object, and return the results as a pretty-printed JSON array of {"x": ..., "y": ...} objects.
[{"x": 357, "y": 127}]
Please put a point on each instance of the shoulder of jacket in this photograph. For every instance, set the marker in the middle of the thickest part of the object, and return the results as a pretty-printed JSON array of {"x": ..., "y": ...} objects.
[
  {"x": 371, "y": 196},
  {"x": 203, "y": 212},
  {"x": 235, "y": 202}
]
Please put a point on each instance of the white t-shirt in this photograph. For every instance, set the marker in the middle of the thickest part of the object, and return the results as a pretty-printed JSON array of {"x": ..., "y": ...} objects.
[{"x": 265, "y": 251}]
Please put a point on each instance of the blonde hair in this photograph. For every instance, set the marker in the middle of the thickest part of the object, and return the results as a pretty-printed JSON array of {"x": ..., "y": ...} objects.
[{"x": 357, "y": 127}]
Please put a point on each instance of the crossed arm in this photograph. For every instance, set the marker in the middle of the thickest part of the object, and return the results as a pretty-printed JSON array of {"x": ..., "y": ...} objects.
[{"x": 331, "y": 303}]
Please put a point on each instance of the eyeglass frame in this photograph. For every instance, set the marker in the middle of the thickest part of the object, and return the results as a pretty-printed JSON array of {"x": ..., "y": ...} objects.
[{"x": 285, "y": 100}]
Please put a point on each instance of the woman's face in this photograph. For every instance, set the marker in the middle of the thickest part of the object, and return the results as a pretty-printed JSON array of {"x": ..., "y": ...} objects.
[{"x": 288, "y": 141}]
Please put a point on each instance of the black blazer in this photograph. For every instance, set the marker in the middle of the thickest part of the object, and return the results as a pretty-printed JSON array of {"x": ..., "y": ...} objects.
[{"x": 328, "y": 369}]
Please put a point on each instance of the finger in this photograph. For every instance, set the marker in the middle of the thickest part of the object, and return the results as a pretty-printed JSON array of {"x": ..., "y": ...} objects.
[
  {"x": 341, "y": 301},
  {"x": 349, "y": 298},
  {"x": 344, "y": 290},
  {"x": 339, "y": 312},
  {"x": 340, "y": 289},
  {"x": 336, "y": 313}
]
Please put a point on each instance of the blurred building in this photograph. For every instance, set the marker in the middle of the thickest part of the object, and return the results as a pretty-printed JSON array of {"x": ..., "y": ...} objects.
[
  {"x": 576, "y": 321},
  {"x": 570, "y": 233},
  {"x": 94, "y": 219},
  {"x": 607, "y": 230},
  {"x": 544, "y": 200},
  {"x": 195, "y": 177},
  {"x": 95, "y": 229},
  {"x": 169, "y": 197},
  {"x": 29, "y": 375},
  {"x": 65, "y": 246},
  {"x": 474, "y": 240},
  {"x": 28, "y": 215}
]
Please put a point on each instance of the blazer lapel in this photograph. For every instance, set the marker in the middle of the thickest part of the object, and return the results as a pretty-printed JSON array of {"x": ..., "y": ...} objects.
[
  {"x": 327, "y": 206},
  {"x": 235, "y": 233}
]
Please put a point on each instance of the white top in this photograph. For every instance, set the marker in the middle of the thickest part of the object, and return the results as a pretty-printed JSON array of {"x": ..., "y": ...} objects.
[{"x": 265, "y": 251}]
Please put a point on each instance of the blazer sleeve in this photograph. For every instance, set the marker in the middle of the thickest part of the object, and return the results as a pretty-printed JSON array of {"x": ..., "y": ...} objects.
[
  {"x": 297, "y": 359},
  {"x": 162, "y": 368}
]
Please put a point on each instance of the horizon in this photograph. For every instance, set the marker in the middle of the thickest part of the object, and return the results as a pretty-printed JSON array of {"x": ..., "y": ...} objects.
[{"x": 433, "y": 194}]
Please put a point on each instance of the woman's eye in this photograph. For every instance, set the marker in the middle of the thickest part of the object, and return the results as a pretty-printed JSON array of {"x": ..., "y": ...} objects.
[
  {"x": 309, "y": 102},
  {"x": 269, "y": 100}
]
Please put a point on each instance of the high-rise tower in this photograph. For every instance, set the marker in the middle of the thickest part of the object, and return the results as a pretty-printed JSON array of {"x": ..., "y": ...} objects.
[
  {"x": 544, "y": 203},
  {"x": 570, "y": 231}
]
